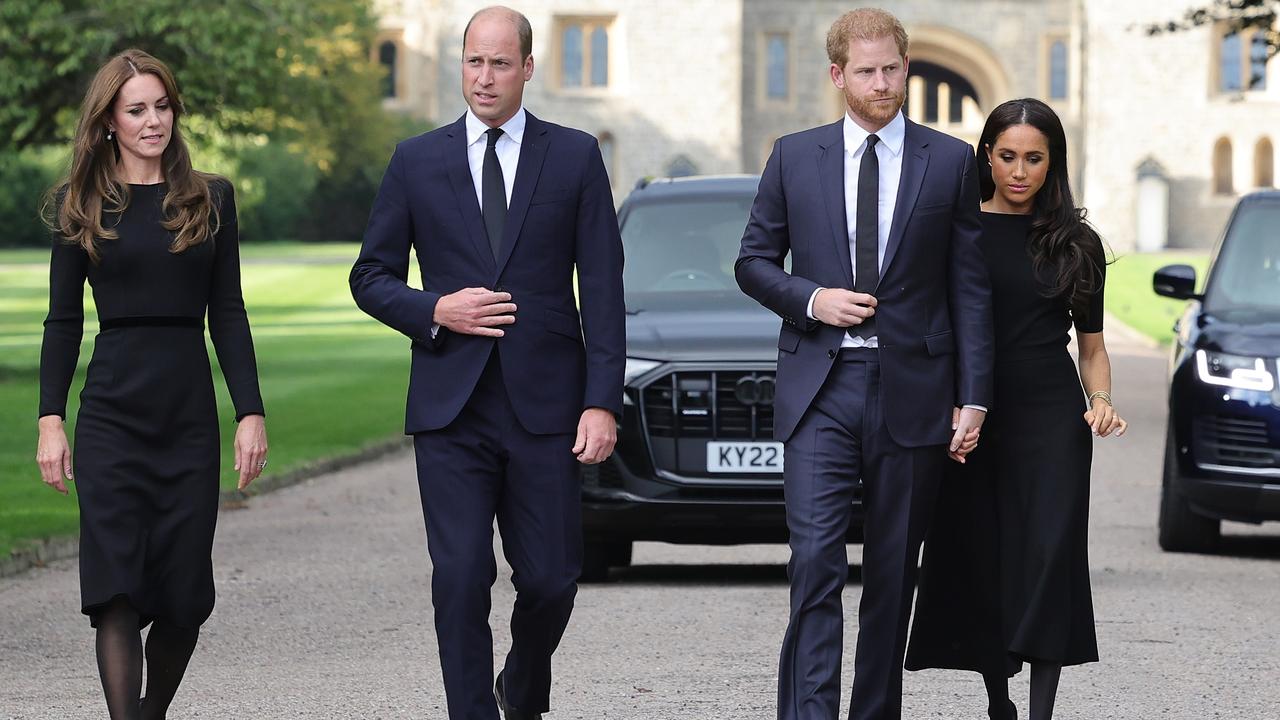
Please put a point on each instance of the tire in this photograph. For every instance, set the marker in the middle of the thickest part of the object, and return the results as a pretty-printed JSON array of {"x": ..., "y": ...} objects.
[
  {"x": 1181, "y": 528},
  {"x": 598, "y": 557}
]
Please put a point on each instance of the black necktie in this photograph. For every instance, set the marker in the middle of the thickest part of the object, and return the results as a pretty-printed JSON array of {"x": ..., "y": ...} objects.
[
  {"x": 493, "y": 193},
  {"x": 866, "y": 233}
]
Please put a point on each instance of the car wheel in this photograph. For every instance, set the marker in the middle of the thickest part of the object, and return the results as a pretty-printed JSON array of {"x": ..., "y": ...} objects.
[
  {"x": 1181, "y": 528},
  {"x": 598, "y": 557}
]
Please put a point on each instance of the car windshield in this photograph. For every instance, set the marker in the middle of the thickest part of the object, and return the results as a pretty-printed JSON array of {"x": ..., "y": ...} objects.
[
  {"x": 1246, "y": 275},
  {"x": 683, "y": 245}
]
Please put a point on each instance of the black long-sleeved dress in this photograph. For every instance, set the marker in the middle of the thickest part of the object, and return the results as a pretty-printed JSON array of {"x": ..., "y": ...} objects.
[
  {"x": 147, "y": 448},
  {"x": 1005, "y": 574}
]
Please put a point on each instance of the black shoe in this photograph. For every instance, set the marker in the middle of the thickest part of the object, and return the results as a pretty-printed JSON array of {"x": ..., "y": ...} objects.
[{"x": 508, "y": 712}]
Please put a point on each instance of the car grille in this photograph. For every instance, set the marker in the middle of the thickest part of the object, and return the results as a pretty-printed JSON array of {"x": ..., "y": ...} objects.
[
  {"x": 1235, "y": 442},
  {"x": 709, "y": 404}
]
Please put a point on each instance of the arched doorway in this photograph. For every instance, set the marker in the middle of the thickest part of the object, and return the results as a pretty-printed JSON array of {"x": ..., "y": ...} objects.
[
  {"x": 973, "y": 77},
  {"x": 942, "y": 98}
]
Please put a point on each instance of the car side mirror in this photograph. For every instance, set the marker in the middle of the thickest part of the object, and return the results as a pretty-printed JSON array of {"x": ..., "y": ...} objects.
[{"x": 1175, "y": 281}]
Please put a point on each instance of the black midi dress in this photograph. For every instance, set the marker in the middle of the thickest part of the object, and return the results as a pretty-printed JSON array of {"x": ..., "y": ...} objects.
[
  {"x": 1005, "y": 571},
  {"x": 146, "y": 449}
]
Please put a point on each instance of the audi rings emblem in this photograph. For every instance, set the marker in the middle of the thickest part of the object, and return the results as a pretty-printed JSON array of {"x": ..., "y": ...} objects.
[{"x": 752, "y": 391}]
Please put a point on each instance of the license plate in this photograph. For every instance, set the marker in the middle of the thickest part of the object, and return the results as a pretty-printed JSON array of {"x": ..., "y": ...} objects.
[{"x": 744, "y": 457}]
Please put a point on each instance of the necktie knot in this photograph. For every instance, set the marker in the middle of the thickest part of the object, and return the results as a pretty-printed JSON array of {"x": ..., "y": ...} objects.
[
  {"x": 871, "y": 141},
  {"x": 494, "y": 134}
]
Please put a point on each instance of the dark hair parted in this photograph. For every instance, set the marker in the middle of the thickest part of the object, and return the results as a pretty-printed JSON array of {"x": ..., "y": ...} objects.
[
  {"x": 1066, "y": 251},
  {"x": 523, "y": 28},
  {"x": 93, "y": 185}
]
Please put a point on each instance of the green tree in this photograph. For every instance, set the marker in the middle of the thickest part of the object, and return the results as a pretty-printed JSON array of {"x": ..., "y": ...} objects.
[
  {"x": 251, "y": 65},
  {"x": 1236, "y": 14},
  {"x": 283, "y": 96}
]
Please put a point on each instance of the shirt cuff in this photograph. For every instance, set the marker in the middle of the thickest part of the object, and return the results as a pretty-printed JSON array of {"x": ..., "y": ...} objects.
[
  {"x": 808, "y": 311},
  {"x": 976, "y": 407}
]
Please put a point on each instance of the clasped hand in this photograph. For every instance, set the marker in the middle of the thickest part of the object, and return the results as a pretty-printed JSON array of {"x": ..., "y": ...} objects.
[
  {"x": 1104, "y": 420},
  {"x": 843, "y": 308},
  {"x": 967, "y": 424},
  {"x": 475, "y": 311}
]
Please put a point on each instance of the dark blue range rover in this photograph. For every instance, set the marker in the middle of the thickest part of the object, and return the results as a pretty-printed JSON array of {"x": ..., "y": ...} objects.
[{"x": 1222, "y": 455}]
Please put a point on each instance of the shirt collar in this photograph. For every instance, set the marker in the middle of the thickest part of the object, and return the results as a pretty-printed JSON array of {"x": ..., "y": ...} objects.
[
  {"x": 892, "y": 136},
  {"x": 513, "y": 128}
]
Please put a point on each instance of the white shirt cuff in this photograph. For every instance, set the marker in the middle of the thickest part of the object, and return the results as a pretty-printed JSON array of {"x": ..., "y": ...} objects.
[
  {"x": 808, "y": 311},
  {"x": 976, "y": 407}
]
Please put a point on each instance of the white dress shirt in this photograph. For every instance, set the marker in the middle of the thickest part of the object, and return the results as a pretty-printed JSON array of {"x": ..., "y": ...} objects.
[
  {"x": 508, "y": 150},
  {"x": 889, "y": 153}
]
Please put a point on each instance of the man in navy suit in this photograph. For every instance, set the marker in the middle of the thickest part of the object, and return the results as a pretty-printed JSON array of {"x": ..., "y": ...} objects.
[
  {"x": 884, "y": 357},
  {"x": 511, "y": 388}
]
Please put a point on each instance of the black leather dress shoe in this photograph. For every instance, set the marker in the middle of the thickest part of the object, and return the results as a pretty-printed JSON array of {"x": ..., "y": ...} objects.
[{"x": 508, "y": 712}]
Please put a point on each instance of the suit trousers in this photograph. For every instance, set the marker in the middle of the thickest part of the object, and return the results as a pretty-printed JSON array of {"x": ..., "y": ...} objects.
[
  {"x": 840, "y": 439},
  {"x": 485, "y": 465}
]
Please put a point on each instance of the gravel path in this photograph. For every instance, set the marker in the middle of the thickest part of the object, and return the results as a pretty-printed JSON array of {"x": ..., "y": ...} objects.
[{"x": 324, "y": 612}]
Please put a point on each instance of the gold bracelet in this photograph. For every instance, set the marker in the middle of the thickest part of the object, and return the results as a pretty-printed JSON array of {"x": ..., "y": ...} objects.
[{"x": 1106, "y": 397}]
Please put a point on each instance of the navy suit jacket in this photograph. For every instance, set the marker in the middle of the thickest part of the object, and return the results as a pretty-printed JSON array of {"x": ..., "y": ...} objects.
[
  {"x": 555, "y": 362},
  {"x": 934, "y": 316}
]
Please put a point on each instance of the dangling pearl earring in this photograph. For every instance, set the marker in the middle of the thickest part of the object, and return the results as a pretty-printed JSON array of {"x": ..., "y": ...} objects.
[{"x": 110, "y": 134}]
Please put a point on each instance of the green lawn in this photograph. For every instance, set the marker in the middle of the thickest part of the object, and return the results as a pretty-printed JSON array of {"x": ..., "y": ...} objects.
[
  {"x": 333, "y": 379},
  {"x": 1131, "y": 300}
]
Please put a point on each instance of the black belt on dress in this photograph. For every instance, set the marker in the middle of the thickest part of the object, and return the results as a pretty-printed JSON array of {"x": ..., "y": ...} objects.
[{"x": 151, "y": 321}]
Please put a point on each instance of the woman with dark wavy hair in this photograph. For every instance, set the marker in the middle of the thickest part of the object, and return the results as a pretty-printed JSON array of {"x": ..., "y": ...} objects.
[
  {"x": 1005, "y": 576},
  {"x": 157, "y": 242}
]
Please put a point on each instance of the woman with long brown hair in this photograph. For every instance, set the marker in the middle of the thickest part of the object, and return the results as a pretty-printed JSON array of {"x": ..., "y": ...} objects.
[
  {"x": 157, "y": 241},
  {"x": 1005, "y": 576}
]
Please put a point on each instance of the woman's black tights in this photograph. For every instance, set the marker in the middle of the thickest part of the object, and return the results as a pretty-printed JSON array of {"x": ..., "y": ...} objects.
[
  {"x": 120, "y": 654},
  {"x": 119, "y": 647},
  {"x": 1044, "y": 689}
]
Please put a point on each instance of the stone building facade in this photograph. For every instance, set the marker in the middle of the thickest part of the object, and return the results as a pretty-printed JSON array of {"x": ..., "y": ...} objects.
[{"x": 676, "y": 87}]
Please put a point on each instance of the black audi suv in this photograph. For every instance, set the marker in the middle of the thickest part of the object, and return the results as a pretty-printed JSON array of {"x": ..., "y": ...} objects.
[
  {"x": 1222, "y": 454},
  {"x": 696, "y": 461}
]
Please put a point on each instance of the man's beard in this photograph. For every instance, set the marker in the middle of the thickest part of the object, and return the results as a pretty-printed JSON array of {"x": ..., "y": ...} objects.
[{"x": 875, "y": 112}]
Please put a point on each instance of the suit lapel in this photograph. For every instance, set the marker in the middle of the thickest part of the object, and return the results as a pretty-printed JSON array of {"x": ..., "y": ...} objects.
[
  {"x": 533, "y": 150},
  {"x": 915, "y": 161},
  {"x": 831, "y": 174},
  {"x": 464, "y": 188}
]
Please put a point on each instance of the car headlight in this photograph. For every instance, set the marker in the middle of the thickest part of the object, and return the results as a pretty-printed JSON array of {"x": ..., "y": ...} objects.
[
  {"x": 1235, "y": 371},
  {"x": 637, "y": 367}
]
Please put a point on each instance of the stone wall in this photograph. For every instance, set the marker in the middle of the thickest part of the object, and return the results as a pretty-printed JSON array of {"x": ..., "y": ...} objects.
[
  {"x": 1156, "y": 97},
  {"x": 671, "y": 92},
  {"x": 686, "y": 84}
]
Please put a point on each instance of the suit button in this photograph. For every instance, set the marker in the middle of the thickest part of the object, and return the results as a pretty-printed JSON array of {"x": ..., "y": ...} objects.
[{"x": 831, "y": 354}]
